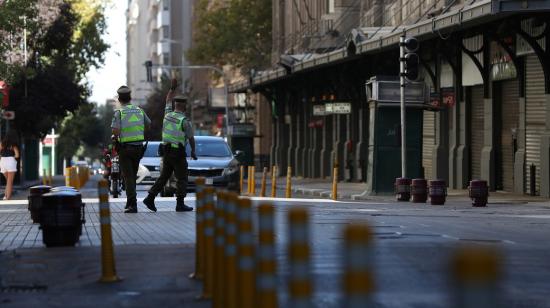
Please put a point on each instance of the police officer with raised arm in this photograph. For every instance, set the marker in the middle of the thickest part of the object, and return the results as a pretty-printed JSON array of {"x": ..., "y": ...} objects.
[
  {"x": 177, "y": 131},
  {"x": 128, "y": 127}
]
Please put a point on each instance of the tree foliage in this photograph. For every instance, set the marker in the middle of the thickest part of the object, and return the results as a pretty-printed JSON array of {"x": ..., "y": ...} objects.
[
  {"x": 83, "y": 128},
  {"x": 236, "y": 32},
  {"x": 154, "y": 108}
]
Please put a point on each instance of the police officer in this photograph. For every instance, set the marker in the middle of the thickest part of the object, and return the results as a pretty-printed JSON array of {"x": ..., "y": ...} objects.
[
  {"x": 176, "y": 132},
  {"x": 128, "y": 126}
]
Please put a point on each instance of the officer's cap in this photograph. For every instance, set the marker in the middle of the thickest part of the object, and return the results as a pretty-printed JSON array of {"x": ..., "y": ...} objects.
[
  {"x": 123, "y": 90},
  {"x": 180, "y": 99}
]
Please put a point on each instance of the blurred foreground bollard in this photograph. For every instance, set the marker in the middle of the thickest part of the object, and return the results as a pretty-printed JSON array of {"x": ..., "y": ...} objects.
[
  {"x": 199, "y": 229},
  {"x": 335, "y": 182},
  {"x": 219, "y": 283},
  {"x": 273, "y": 181},
  {"x": 209, "y": 247},
  {"x": 358, "y": 274},
  {"x": 476, "y": 271},
  {"x": 403, "y": 189},
  {"x": 419, "y": 190},
  {"x": 438, "y": 192},
  {"x": 44, "y": 177},
  {"x": 241, "y": 180},
  {"x": 108, "y": 268},
  {"x": 264, "y": 179},
  {"x": 300, "y": 287},
  {"x": 68, "y": 181},
  {"x": 479, "y": 192},
  {"x": 245, "y": 253},
  {"x": 266, "y": 283},
  {"x": 288, "y": 192},
  {"x": 230, "y": 252}
]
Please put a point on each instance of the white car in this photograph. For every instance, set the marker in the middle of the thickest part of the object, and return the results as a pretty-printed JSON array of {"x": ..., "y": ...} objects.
[{"x": 149, "y": 165}]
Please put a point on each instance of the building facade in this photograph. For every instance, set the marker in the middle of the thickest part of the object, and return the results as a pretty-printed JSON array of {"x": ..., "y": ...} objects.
[{"x": 484, "y": 65}]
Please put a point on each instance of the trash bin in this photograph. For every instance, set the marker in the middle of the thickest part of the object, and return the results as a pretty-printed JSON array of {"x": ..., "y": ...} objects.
[
  {"x": 64, "y": 188},
  {"x": 35, "y": 200},
  {"x": 61, "y": 218}
]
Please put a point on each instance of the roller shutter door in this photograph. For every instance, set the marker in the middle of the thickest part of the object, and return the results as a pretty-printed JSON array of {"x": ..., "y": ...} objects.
[
  {"x": 534, "y": 116},
  {"x": 428, "y": 142},
  {"x": 509, "y": 121},
  {"x": 476, "y": 132}
]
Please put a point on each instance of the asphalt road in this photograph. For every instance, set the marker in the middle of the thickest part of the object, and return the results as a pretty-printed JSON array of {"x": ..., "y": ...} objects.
[{"x": 411, "y": 249}]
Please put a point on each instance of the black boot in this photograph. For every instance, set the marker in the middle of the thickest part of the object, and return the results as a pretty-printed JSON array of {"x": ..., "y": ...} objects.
[
  {"x": 131, "y": 206},
  {"x": 149, "y": 202},
  {"x": 181, "y": 207}
]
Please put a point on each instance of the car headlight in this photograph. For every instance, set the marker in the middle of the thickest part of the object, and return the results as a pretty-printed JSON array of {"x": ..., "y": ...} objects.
[{"x": 230, "y": 169}]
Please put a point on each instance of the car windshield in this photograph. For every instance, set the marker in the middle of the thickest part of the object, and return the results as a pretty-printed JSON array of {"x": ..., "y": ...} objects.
[
  {"x": 210, "y": 148},
  {"x": 152, "y": 150}
]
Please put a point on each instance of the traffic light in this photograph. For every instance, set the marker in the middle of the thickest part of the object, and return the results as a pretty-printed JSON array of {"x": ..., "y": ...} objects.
[
  {"x": 411, "y": 60},
  {"x": 149, "y": 70}
]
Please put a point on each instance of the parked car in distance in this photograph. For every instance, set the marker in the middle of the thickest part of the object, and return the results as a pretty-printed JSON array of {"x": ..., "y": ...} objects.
[
  {"x": 216, "y": 163},
  {"x": 149, "y": 165}
]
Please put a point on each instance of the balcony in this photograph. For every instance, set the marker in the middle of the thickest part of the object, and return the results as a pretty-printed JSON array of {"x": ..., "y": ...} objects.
[{"x": 163, "y": 18}]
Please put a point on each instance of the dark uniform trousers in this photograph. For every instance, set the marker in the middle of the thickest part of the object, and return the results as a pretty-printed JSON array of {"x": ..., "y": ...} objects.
[
  {"x": 129, "y": 157},
  {"x": 174, "y": 160}
]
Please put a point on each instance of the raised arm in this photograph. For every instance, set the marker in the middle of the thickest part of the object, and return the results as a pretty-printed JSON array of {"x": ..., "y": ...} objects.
[{"x": 170, "y": 96}]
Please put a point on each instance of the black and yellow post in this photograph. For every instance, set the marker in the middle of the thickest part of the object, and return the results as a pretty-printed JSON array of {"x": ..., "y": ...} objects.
[
  {"x": 288, "y": 193},
  {"x": 219, "y": 233},
  {"x": 300, "y": 287},
  {"x": 199, "y": 229},
  {"x": 245, "y": 254},
  {"x": 209, "y": 247},
  {"x": 266, "y": 284},
  {"x": 264, "y": 179},
  {"x": 476, "y": 273},
  {"x": 358, "y": 275},
  {"x": 273, "y": 181},
  {"x": 108, "y": 267},
  {"x": 230, "y": 251}
]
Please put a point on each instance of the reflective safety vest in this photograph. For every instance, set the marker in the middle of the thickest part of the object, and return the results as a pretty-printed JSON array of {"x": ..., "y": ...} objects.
[
  {"x": 172, "y": 129},
  {"x": 132, "y": 124}
]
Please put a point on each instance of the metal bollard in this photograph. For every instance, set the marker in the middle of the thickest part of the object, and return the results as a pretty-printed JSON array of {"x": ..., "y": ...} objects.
[
  {"x": 199, "y": 229},
  {"x": 264, "y": 179},
  {"x": 266, "y": 284},
  {"x": 476, "y": 271},
  {"x": 273, "y": 181},
  {"x": 209, "y": 247},
  {"x": 253, "y": 181},
  {"x": 108, "y": 268},
  {"x": 68, "y": 176},
  {"x": 288, "y": 192},
  {"x": 358, "y": 276},
  {"x": 248, "y": 179},
  {"x": 335, "y": 183},
  {"x": 241, "y": 180},
  {"x": 300, "y": 287},
  {"x": 245, "y": 253},
  {"x": 230, "y": 252},
  {"x": 219, "y": 283}
]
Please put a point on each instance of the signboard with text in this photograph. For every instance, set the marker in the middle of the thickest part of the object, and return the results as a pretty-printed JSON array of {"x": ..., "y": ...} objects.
[
  {"x": 338, "y": 108},
  {"x": 319, "y": 110}
]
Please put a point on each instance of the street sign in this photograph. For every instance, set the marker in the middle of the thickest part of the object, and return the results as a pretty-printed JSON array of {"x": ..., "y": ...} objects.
[
  {"x": 341, "y": 108},
  {"x": 8, "y": 115},
  {"x": 319, "y": 110}
]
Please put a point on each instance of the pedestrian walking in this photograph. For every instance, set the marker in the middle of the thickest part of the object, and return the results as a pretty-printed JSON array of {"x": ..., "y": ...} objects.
[
  {"x": 177, "y": 131},
  {"x": 9, "y": 154},
  {"x": 128, "y": 125}
]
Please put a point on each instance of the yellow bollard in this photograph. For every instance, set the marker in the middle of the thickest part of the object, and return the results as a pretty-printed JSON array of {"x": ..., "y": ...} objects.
[
  {"x": 245, "y": 253},
  {"x": 476, "y": 271},
  {"x": 273, "y": 181},
  {"x": 219, "y": 233},
  {"x": 241, "y": 180},
  {"x": 199, "y": 229},
  {"x": 300, "y": 288},
  {"x": 253, "y": 181},
  {"x": 44, "y": 177},
  {"x": 358, "y": 276},
  {"x": 249, "y": 180},
  {"x": 108, "y": 268},
  {"x": 288, "y": 193},
  {"x": 68, "y": 181},
  {"x": 50, "y": 177},
  {"x": 74, "y": 178},
  {"x": 266, "y": 284},
  {"x": 230, "y": 251},
  {"x": 264, "y": 176},
  {"x": 209, "y": 247},
  {"x": 335, "y": 183}
]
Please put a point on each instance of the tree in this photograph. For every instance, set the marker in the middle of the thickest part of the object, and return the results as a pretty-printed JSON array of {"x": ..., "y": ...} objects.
[
  {"x": 154, "y": 108},
  {"x": 237, "y": 33}
]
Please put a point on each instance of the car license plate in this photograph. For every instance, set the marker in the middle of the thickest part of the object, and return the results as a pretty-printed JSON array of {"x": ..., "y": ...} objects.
[{"x": 209, "y": 181}]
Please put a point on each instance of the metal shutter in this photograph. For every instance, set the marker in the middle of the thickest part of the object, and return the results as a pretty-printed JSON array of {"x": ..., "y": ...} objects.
[
  {"x": 428, "y": 142},
  {"x": 476, "y": 132},
  {"x": 534, "y": 116},
  {"x": 509, "y": 121}
]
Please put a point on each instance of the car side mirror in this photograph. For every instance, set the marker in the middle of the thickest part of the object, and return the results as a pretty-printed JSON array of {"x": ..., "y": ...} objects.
[{"x": 239, "y": 154}]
